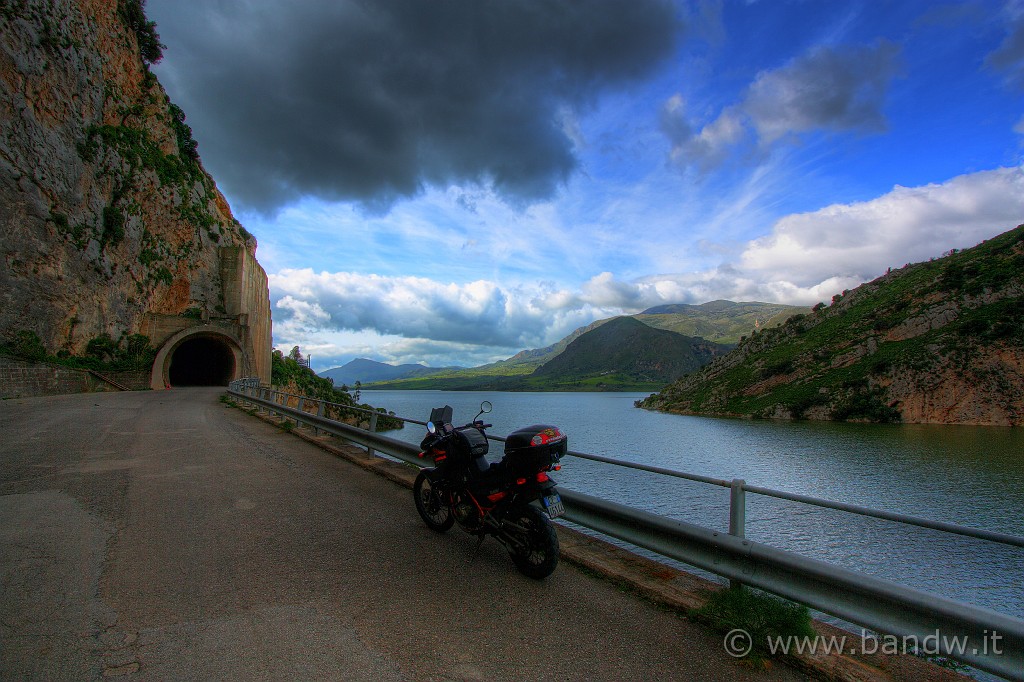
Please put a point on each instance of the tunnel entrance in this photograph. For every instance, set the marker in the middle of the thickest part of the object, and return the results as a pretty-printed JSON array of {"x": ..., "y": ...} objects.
[{"x": 202, "y": 361}]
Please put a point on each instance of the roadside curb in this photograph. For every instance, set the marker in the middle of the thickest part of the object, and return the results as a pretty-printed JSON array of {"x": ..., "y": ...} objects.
[{"x": 665, "y": 585}]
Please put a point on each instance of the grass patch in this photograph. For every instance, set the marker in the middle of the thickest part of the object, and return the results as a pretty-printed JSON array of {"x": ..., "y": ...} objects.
[{"x": 760, "y": 615}]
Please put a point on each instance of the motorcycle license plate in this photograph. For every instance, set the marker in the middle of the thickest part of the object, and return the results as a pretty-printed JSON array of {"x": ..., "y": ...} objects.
[{"x": 553, "y": 505}]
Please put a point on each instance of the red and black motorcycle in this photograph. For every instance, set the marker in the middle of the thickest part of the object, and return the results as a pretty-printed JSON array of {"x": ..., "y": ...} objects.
[{"x": 494, "y": 499}]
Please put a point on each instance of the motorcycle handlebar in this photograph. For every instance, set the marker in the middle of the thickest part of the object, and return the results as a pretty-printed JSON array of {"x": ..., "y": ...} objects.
[
  {"x": 474, "y": 425},
  {"x": 448, "y": 429}
]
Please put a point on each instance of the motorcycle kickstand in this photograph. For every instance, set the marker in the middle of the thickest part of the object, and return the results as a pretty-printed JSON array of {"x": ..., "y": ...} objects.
[{"x": 476, "y": 550}]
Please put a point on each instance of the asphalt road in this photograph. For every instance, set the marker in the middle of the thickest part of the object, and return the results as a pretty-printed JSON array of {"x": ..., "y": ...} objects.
[{"x": 164, "y": 535}]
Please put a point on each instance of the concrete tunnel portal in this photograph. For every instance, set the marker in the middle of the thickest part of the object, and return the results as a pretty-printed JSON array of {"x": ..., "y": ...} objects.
[
  {"x": 215, "y": 349},
  {"x": 198, "y": 357}
]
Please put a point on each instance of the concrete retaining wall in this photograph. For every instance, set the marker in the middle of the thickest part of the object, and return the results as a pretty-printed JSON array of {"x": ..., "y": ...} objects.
[{"x": 21, "y": 379}]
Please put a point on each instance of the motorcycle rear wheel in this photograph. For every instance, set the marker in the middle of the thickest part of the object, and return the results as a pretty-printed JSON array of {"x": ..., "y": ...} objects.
[
  {"x": 433, "y": 510},
  {"x": 538, "y": 556}
]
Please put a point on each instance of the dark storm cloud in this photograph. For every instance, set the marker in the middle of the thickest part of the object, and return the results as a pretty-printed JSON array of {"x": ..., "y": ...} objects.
[
  {"x": 840, "y": 88},
  {"x": 1009, "y": 57},
  {"x": 371, "y": 101}
]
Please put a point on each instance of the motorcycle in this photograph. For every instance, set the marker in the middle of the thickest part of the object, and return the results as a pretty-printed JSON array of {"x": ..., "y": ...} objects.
[{"x": 487, "y": 498}]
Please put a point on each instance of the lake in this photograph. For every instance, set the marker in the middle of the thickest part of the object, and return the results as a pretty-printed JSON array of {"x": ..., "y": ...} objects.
[{"x": 972, "y": 476}]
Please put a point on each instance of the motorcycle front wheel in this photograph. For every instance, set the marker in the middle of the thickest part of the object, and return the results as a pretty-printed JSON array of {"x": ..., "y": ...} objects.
[
  {"x": 536, "y": 555},
  {"x": 434, "y": 511}
]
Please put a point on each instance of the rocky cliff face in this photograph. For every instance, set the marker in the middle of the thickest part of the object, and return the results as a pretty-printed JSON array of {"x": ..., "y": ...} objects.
[{"x": 105, "y": 210}]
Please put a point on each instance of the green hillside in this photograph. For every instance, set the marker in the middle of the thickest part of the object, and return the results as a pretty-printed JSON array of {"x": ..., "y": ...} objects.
[
  {"x": 626, "y": 352},
  {"x": 940, "y": 342},
  {"x": 719, "y": 321}
]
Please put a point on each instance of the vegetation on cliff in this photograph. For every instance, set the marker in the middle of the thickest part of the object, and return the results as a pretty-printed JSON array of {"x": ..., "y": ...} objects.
[
  {"x": 130, "y": 353},
  {"x": 289, "y": 374},
  {"x": 941, "y": 342},
  {"x": 133, "y": 14}
]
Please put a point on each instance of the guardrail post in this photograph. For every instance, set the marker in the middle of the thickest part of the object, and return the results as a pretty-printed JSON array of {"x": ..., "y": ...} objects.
[
  {"x": 302, "y": 408},
  {"x": 320, "y": 413},
  {"x": 737, "y": 515},
  {"x": 372, "y": 429},
  {"x": 737, "y": 508}
]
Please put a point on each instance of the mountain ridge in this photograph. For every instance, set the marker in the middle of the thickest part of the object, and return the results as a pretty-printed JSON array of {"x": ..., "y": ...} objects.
[
  {"x": 631, "y": 352},
  {"x": 934, "y": 342},
  {"x": 497, "y": 375},
  {"x": 365, "y": 370}
]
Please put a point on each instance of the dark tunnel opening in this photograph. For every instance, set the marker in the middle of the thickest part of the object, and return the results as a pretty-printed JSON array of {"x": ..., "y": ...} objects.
[{"x": 202, "y": 362}]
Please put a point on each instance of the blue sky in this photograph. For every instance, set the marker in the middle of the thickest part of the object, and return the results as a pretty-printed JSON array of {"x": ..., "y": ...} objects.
[{"x": 453, "y": 182}]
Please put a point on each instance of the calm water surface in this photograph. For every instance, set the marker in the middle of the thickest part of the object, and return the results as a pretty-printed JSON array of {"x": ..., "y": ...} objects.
[{"x": 972, "y": 476}]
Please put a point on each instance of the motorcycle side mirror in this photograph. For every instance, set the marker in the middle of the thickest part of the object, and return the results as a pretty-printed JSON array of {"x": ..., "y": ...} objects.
[
  {"x": 485, "y": 408},
  {"x": 431, "y": 429}
]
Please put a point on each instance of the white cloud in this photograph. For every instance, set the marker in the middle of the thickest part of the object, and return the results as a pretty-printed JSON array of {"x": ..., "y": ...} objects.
[
  {"x": 480, "y": 313},
  {"x": 805, "y": 258},
  {"x": 708, "y": 148},
  {"x": 909, "y": 224}
]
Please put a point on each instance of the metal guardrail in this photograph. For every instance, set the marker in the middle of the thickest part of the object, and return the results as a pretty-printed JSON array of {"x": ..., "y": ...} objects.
[{"x": 995, "y": 641}]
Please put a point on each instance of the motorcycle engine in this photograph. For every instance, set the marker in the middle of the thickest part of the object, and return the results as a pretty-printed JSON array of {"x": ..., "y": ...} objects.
[{"x": 466, "y": 513}]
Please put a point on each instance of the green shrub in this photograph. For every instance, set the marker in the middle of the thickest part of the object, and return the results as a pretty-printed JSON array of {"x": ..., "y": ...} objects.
[
  {"x": 102, "y": 347},
  {"x": 187, "y": 146},
  {"x": 103, "y": 353},
  {"x": 164, "y": 276},
  {"x": 974, "y": 327},
  {"x": 133, "y": 16},
  {"x": 866, "y": 405},
  {"x": 784, "y": 366},
  {"x": 113, "y": 226},
  {"x": 24, "y": 345}
]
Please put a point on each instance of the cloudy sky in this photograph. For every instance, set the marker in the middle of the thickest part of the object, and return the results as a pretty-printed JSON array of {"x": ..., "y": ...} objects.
[{"x": 453, "y": 181}]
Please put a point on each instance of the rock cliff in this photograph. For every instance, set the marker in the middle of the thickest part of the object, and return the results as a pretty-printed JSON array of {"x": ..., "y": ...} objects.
[{"x": 106, "y": 213}]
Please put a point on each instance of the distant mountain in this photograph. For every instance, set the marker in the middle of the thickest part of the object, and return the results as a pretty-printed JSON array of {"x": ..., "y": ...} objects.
[
  {"x": 624, "y": 351},
  {"x": 720, "y": 321},
  {"x": 724, "y": 322},
  {"x": 366, "y": 371},
  {"x": 935, "y": 342},
  {"x": 538, "y": 356}
]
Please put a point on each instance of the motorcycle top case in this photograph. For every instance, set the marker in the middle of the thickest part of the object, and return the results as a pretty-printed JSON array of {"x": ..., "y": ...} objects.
[{"x": 532, "y": 448}]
